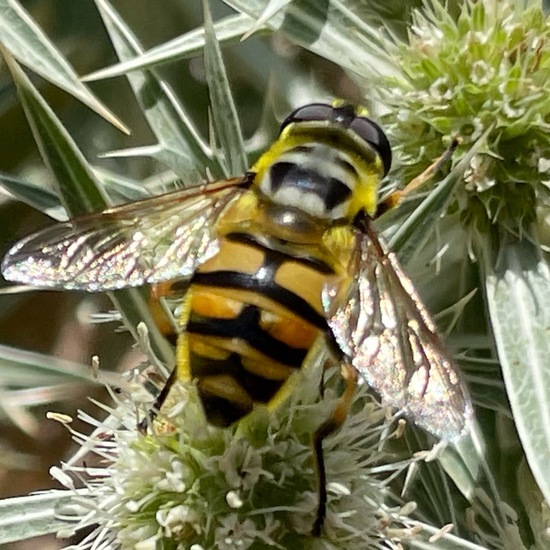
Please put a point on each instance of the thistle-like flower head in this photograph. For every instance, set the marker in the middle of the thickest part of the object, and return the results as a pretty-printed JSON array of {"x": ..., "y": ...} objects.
[
  {"x": 483, "y": 73},
  {"x": 188, "y": 485}
]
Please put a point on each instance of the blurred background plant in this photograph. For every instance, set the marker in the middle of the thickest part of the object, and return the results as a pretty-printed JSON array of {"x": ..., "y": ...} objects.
[{"x": 474, "y": 246}]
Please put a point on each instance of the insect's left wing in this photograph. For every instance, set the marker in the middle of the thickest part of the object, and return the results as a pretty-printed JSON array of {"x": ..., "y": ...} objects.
[
  {"x": 386, "y": 333},
  {"x": 148, "y": 241}
]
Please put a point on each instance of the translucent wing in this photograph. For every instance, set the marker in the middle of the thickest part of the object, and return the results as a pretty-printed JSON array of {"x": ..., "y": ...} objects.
[
  {"x": 387, "y": 334},
  {"x": 149, "y": 241}
]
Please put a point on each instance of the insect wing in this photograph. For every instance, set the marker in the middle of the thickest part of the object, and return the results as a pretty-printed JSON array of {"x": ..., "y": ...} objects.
[
  {"x": 149, "y": 241},
  {"x": 389, "y": 337}
]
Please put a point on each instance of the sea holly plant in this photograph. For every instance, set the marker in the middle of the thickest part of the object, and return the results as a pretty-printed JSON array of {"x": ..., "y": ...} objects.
[
  {"x": 471, "y": 238},
  {"x": 485, "y": 72},
  {"x": 190, "y": 485}
]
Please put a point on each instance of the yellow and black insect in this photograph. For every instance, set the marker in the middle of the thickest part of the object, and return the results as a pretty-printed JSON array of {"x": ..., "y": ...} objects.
[{"x": 270, "y": 263}]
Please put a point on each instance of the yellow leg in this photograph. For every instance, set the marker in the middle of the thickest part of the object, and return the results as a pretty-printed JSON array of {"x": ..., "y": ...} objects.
[
  {"x": 337, "y": 418},
  {"x": 160, "y": 314},
  {"x": 395, "y": 198}
]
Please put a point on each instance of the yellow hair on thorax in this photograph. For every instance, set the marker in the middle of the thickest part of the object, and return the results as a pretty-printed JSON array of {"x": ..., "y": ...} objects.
[{"x": 366, "y": 161}]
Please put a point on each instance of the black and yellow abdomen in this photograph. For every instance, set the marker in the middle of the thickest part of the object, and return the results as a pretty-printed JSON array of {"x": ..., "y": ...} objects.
[{"x": 254, "y": 312}]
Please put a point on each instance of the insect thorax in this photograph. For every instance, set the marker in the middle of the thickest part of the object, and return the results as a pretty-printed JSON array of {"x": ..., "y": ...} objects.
[{"x": 308, "y": 184}]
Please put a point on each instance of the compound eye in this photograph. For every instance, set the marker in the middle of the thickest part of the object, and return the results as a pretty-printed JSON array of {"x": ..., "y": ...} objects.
[
  {"x": 370, "y": 132},
  {"x": 313, "y": 111}
]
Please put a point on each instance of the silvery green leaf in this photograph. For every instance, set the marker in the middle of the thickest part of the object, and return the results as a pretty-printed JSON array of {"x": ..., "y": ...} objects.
[
  {"x": 517, "y": 286},
  {"x": 30, "y": 46}
]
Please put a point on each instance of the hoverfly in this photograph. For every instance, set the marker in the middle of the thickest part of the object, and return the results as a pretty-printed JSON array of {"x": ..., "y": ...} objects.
[{"x": 270, "y": 263}]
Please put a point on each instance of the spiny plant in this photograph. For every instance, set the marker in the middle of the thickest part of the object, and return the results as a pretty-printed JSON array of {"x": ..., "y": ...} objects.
[{"x": 472, "y": 239}]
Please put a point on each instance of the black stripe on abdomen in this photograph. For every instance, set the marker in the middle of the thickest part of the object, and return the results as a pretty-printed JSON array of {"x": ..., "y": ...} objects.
[
  {"x": 269, "y": 289},
  {"x": 275, "y": 258},
  {"x": 223, "y": 411},
  {"x": 246, "y": 326}
]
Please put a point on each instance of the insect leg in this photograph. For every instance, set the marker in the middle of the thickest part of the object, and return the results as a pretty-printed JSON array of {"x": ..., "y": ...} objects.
[
  {"x": 161, "y": 315},
  {"x": 336, "y": 419},
  {"x": 159, "y": 401},
  {"x": 167, "y": 328},
  {"x": 394, "y": 198}
]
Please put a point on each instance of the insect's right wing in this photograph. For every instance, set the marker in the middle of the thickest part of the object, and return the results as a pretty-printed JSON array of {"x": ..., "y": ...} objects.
[
  {"x": 150, "y": 241},
  {"x": 386, "y": 333}
]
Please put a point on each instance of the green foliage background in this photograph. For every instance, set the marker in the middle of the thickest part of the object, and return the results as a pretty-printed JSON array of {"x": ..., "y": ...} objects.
[{"x": 311, "y": 57}]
